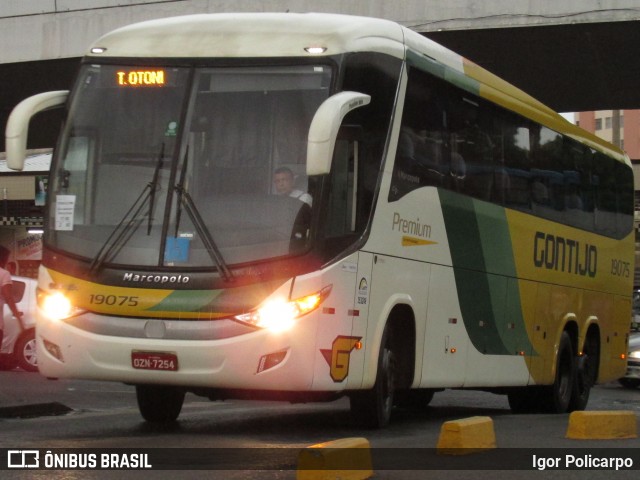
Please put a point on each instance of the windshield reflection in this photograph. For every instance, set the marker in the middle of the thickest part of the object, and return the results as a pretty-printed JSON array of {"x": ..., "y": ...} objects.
[{"x": 223, "y": 133}]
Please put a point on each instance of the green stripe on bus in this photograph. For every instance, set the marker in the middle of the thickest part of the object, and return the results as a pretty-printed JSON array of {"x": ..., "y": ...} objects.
[
  {"x": 186, "y": 301},
  {"x": 425, "y": 63},
  {"x": 485, "y": 274},
  {"x": 460, "y": 80},
  {"x": 451, "y": 75},
  {"x": 229, "y": 300}
]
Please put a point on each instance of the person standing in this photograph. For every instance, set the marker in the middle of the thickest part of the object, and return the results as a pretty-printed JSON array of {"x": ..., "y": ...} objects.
[{"x": 6, "y": 291}]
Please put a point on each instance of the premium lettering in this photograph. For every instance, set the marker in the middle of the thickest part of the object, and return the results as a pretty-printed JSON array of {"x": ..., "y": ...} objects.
[
  {"x": 412, "y": 227},
  {"x": 564, "y": 255}
]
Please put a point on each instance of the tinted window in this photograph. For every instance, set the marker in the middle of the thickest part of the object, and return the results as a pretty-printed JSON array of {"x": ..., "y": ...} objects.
[{"x": 452, "y": 139}]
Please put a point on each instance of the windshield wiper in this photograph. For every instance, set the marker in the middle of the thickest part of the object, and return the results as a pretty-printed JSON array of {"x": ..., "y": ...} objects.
[
  {"x": 154, "y": 187},
  {"x": 130, "y": 222},
  {"x": 180, "y": 185},
  {"x": 185, "y": 200}
]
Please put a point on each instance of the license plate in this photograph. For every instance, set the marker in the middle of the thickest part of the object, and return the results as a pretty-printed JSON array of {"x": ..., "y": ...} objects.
[{"x": 154, "y": 361}]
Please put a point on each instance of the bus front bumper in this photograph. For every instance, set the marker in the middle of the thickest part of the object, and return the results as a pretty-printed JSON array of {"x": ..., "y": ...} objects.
[{"x": 260, "y": 360}]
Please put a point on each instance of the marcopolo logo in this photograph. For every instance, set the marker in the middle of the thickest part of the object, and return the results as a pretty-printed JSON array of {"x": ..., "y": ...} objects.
[{"x": 161, "y": 279}]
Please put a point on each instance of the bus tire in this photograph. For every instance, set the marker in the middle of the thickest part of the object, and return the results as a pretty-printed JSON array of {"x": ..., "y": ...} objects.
[
  {"x": 557, "y": 397},
  {"x": 372, "y": 408},
  {"x": 586, "y": 373},
  {"x": 629, "y": 382},
  {"x": 159, "y": 404}
]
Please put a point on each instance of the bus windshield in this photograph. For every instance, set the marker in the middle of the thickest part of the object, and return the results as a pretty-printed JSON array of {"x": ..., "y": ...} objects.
[{"x": 186, "y": 167}]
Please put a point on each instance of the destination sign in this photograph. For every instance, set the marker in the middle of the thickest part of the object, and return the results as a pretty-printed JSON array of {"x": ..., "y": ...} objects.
[{"x": 141, "y": 78}]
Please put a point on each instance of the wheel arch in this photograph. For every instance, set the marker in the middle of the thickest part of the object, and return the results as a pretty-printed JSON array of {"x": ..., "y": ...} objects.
[
  {"x": 591, "y": 339},
  {"x": 400, "y": 317},
  {"x": 571, "y": 327},
  {"x": 402, "y": 322}
]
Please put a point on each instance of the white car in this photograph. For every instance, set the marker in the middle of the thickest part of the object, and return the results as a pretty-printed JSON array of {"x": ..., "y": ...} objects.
[
  {"x": 19, "y": 342},
  {"x": 632, "y": 377}
]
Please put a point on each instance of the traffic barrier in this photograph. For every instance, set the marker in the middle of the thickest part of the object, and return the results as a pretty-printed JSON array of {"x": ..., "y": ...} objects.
[
  {"x": 602, "y": 425},
  {"x": 469, "y": 435},
  {"x": 346, "y": 459}
]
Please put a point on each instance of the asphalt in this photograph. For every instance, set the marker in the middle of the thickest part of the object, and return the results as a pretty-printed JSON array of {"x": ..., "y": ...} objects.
[{"x": 17, "y": 399}]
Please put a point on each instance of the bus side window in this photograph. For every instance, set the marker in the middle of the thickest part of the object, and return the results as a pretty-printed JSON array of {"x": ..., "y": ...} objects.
[
  {"x": 471, "y": 141},
  {"x": 624, "y": 197},
  {"x": 422, "y": 157}
]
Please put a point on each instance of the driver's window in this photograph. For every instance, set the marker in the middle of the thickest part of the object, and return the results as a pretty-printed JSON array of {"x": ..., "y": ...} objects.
[{"x": 343, "y": 204}]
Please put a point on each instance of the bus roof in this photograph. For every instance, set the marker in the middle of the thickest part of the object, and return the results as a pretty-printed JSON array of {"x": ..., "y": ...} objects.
[
  {"x": 252, "y": 35},
  {"x": 246, "y": 35}
]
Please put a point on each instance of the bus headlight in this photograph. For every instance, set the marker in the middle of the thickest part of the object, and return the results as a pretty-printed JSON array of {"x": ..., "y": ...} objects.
[
  {"x": 279, "y": 315},
  {"x": 56, "y": 306}
]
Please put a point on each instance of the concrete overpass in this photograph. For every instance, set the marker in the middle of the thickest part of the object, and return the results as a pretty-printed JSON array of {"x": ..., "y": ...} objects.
[{"x": 573, "y": 55}]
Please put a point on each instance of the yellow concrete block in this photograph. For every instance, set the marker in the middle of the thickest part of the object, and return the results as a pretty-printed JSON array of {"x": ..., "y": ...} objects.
[
  {"x": 344, "y": 459},
  {"x": 602, "y": 425},
  {"x": 469, "y": 435}
]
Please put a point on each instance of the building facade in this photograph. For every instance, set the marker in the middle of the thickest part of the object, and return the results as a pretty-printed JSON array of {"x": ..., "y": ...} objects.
[{"x": 22, "y": 200}]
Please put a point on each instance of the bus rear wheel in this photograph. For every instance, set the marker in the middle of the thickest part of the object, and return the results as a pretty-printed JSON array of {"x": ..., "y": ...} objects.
[
  {"x": 372, "y": 408},
  {"x": 557, "y": 397},
  {"x": 586, "y": 373},
  {"x": 629, "y": 382},
  {"x": 159, "y": 404}
]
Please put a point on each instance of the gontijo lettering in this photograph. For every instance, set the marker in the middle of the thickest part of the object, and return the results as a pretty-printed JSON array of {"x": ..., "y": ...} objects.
[{"x": 564, "y": 255}]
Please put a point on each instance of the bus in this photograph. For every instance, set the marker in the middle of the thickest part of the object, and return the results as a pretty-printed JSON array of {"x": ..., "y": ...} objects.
[{"x": 456, "y": 233}]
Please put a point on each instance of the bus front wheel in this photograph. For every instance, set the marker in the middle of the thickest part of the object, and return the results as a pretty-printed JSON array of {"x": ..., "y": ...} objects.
[
  {"x": 372, "y": 408},
  {"x": 159, "y": 404}
]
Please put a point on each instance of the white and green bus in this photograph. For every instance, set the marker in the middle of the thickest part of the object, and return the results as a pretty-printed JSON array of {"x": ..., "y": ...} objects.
[{"x": 455, "y": 233}]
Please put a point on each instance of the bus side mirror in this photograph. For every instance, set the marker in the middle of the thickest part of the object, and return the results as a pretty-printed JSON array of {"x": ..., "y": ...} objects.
[
  {"x": 324, "y": 129},
  {"x": 18, "y": 123}
]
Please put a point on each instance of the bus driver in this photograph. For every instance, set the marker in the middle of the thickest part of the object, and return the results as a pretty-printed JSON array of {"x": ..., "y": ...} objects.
[{"x": 283, "y": 181}]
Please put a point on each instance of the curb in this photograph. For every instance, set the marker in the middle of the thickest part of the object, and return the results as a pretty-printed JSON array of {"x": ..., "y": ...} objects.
[
  {"x": 469, "y": 435},
  {"x": 602, "y": 425},
  {"x": 344, "y": 459}
]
